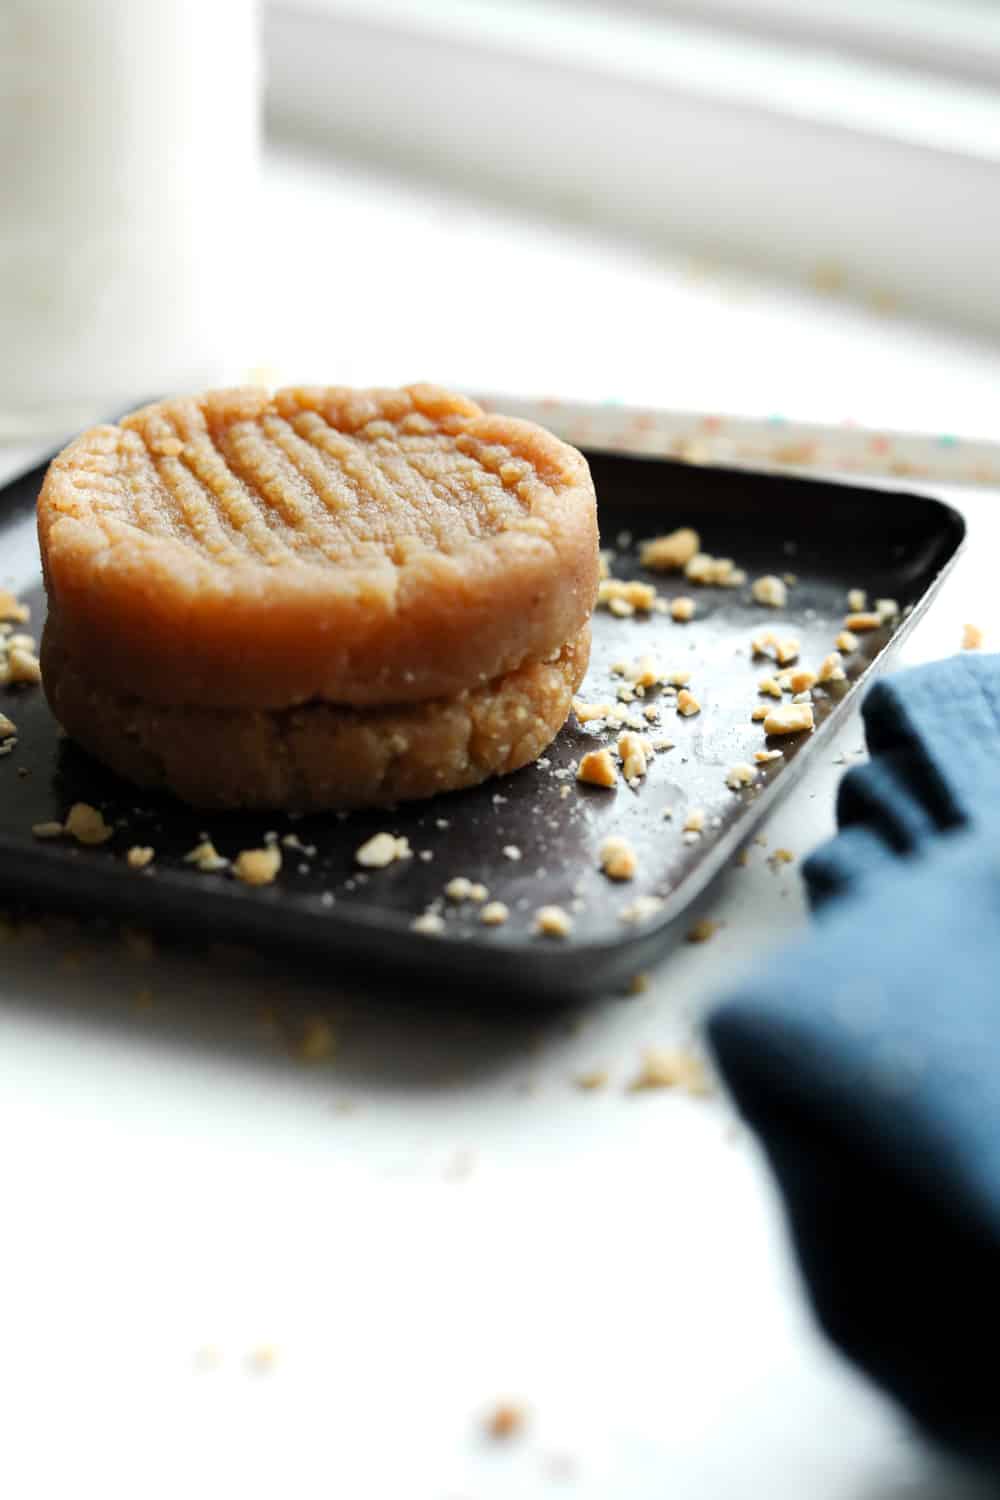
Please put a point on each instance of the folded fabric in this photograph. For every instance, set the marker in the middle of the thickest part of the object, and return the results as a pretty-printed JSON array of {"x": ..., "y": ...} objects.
[{"x": 867, "y": 1057}]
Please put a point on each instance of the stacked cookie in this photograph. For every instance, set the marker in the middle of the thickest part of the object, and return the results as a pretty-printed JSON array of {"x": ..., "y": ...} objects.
[{"x": 317, "y": 598}]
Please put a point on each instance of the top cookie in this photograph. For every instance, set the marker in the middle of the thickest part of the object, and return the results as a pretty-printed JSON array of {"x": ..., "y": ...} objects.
[{"x": 360, "y": 547}]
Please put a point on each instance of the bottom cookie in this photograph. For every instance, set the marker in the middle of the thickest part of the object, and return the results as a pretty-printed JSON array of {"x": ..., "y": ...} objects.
[{"x": 319, "y": 755}]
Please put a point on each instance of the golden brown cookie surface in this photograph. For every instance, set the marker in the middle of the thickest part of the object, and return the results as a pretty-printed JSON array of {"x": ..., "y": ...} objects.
[{"x": 361, "y": 547}]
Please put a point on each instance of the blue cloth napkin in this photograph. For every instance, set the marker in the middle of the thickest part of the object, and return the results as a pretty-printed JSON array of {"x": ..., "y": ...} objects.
[{"x": 867, "y": 1058}]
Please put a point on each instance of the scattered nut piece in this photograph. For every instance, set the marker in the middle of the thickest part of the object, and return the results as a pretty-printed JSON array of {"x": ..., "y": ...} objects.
[
  {"x": 786, "y": 651},
  {"x": 618, "y": 858},
  {"x": 206, "y": 857},
  {"x": 846, "y": 641},
  {"x": 856, "y": 599},
  {"x": 598, "y": 769},
  {"x": 633, "y": 749},
  {"x": 7, "y": 727},
  {"x": 429, "y": 923},
  {"x": 802, "y": 680},
  {"x": 257, "y": 866},
  {"x": 805, "y": 697},
  {"x": 644, "y": 673},
  {"x": 705, "y": 569},
  {"x": 552, "y": 921},
  {"x": 769, "y": 686},
  {"x": 638, "y": 984},
  {"x": 460, "y": 889},
  {"x": 702, "y": 930},
  {"x": 381, "y": 850},
  {"x": 687, "y": 704},
  {"x": 759, "y": 713},
  {"x": 763, "y": 756},
  {"x": 494, "y": 914},
  {"x": 586, "y": 712},
  {"x": 831, "y": 668},
  {"x": 739, "y": 776},
  {"x": 782, "y": 857},
  {"x": 511, "y": 851},
  {"x": 695, "y": 821},
  {"x": 139, "y": 856},
  {"x": 682, "y": 609},
  {"x": 621, "y": 608},
  {"x": 50, "y": 830},
  {"x": 505, "y": 1421},
  {"x": 886, "y": 609},
  {"x": 972, "y": 638},
  {"x": 12, "y": 608},
  {"x": 22, "y": 666},
  {"x": 859, "y": 622},
  {"x": 86, "y": 824},
  {"x": 771, "y": 591},
  {"x": 790, "y": 718},
  {"x": 671, "y": 1067},
  {"x": 763, "y": 644},
  {"x": 615, "y": 592},
  {"x": 642, "y": 909},
  {"x": 665, "y": 554},
  {"x": 679, "y": 679}
]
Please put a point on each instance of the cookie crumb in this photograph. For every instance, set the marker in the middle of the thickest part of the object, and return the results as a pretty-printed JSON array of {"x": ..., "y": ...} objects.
[
  {"x": 666, "y": 554},
  {"x": 682, "y": 609},
  {"x": 139, "y": 856},
  {"x": 759, "y": 713},
  {"x": 786, "y": 651},
  {"x": 695, "y": 821},
  {"x": 669, "y": 1068},
  {"x": 972, "y": 638},
  {"x": 831, "y": 668},
  {"x": 802, "y": 680},
  {"x": 494, "y": 914},
  {"x": 858, "y": 622},
  {"x": 771, "y": 591},
  {"x": 8, "y": 729},
  {"x": 846, "y": 641},
  {"x": 552, "y": 921},
  {"x": 633, "y": 749},
  {"x": 763, "y": 756},
  {"x": 642, "y": 909},
  {"x": 687, "y": 704},
  {"x": 257, "y": 866},
  {"x": 702, "y": 931},
  {"x": 460, "y": 889},
  {"x": 790, "y": 718},
  {"x": 770, "y": 687},
  {"x": 856, "y": 600},
  {"x": 597, "y": 769},
  {"x": 381, "y": 850},
  {"x": 11, "y": 608},
  {"x": 623, "y": 599},
  {"x": 587, "y": 712},
  {"x": 618, "y": 858},
  {"x": 887, "y": 609},
  {"x": 86, "y": 824},
  {"x": 739, "y": 776},
  {"x": 782, "y": 857},
  {"x": 22, "y": 666}
]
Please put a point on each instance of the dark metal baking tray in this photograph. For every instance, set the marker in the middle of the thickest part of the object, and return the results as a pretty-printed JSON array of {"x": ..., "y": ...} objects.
[{"x": 831, "y": 536}]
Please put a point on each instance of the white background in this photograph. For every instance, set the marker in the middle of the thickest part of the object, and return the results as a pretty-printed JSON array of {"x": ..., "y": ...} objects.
[{"x": 437, "y": 1219}]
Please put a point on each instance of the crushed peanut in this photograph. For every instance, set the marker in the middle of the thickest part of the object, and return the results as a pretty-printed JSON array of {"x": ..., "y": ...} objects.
[
  {"x": 739, "y": 776},
  {"x": 644, "y": 673},
  {"x": 705, "y": 569},
  {"x": 759, "y": 713},
  {"x": 51, "y": 830},
  {"x": 505, "y": 1421},
  {"x": 494, "y": 914},
  {"x": 139, "y": 856},
  {"x": 859, "y": 622},
  {"x": 86, "y": 824},
  {"x": 12, "y": 608},
  {"x": 22, "y": 666},
  {"x": 206, "y": 857},
  {"x": 460, "y": 889},
  {"x": 687, "y": 704},
  {"x": 618, "y": 858},
  {"x": 802, "y": 680},
  {"x": 695, "y": 821},
  {"x": 621, "y": 608},
  {"x": 381, "y": 850},
  {"x": 598, "y": 769},
  {"x": 318, "y": 1040},
  {"x": 831, "y": 668},
  {"x": 771, "y": 591},
  {"x": 763, "y": 644},
  {"x": 7, "y": 727},
  {"x": 596, "y": 1078},
  {"x": 616, "y": 591},
  {"x": 886, "y": 609},
  {"x": 786, "y": 651},
  {"x": 763, "y": 756},
  {"x": 790, "y": 718},
  {"x": 702, "y": 930},
  {"x": 782, "y": 856},
  {"x": 972, "y": 638},
  {"x": 770, "y": 687},
  {"x": 642, "y": 909},
  {"x": 679, "y": 679},
  {"x": 552, "y": 921},
  {"x": 257, "y": 866},
  {"x": 633, "y": 749},
  {"x": 671, "y": 1067},
  {"x": 846, "y": 641},
  {"x": 665, "y": 554},
  {"x": 511, "y": 852},
  {"x": 682, "y": 609},
  {"x": 587, "y": 712},
  {"x": 856, "y": 599}
]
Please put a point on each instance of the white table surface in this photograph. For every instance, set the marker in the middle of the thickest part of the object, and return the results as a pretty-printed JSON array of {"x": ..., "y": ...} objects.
[{"x": 436, "y": 1219}]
